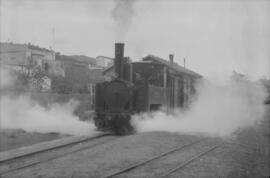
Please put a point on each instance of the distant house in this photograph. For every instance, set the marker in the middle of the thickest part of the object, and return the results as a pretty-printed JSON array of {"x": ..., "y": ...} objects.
[
  {"x": 26, "y": 57},
  {"x": 76, "y": 73},
  {"x": 80, "y": 78},
  {"x": 24, "y": 54},
  {"x": 14, "y": 54}
]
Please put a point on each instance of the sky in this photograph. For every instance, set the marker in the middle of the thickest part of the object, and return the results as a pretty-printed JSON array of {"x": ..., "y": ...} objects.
[{"x": 215, "y": 37}]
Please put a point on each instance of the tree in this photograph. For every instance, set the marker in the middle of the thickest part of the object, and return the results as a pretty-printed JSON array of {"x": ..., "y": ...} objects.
[
  {"x": 60, "y": 85},
  {"x": 36, "y": 80},
  {"x": 237, "y": 77}
]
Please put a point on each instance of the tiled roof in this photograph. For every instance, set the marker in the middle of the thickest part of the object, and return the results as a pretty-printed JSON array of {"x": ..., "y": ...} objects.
[{"x": 175, "y": 66}]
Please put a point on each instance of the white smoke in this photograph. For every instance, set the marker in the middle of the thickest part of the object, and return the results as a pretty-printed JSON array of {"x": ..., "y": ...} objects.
[
  {"x": 220, "y": 110},
  {"x": 24, "y": 113},
  {"x": 6, "y": 79},
  {"x": 122, "y": 14}
]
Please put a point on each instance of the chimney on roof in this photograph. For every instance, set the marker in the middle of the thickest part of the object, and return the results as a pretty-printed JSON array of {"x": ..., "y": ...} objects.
[{"x": 171, "y": 59}]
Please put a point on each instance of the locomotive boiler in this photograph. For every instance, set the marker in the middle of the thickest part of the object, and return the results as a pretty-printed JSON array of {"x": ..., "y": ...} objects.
[{"x": 135, "y": 87}]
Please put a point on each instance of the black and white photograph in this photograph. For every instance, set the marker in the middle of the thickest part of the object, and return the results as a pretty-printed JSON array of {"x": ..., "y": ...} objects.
[{"x": 134, "y": 88}]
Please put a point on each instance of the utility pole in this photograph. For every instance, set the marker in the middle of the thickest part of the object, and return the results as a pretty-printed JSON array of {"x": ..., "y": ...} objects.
[
  {"x": 185, "y": 62},
  {"x": 53, "y": 38}
]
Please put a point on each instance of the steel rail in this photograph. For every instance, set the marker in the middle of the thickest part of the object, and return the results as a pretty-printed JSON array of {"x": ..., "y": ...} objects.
[
  {"x": 181, "y": 166},
  {"x": 55, "y": 157},
  {"x": 151, "y": 159},
  {"x": 53, "y": 148}
]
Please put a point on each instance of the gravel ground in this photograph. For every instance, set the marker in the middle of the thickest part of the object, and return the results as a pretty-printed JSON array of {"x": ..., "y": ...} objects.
[
  {"x": 53, "y": 154},
  {"x": 164, "y": 164},
  {"x": 109, "y": 157},
  {"x": 11, "y": 138},
  {"x": 246, "y": 155},
  {"x": 232, "y": 160}
]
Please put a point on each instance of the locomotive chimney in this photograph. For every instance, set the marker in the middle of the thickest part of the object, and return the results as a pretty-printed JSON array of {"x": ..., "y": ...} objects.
[
  {"x": 171, "y": 59},
  {"x": 118, "y": 59}
]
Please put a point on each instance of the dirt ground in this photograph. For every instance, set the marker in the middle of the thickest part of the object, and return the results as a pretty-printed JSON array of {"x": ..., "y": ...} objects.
[{"x": 11, "y": 139}]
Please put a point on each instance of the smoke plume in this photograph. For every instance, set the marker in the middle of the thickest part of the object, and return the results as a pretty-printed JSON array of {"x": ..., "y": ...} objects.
[
  {"x": 220, "y": 110},
  {"x": 122, "y": 14}
]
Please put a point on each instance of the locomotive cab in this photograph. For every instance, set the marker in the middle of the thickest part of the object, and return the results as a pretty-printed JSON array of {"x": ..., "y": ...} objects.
[{"x": 150, "y": 91}]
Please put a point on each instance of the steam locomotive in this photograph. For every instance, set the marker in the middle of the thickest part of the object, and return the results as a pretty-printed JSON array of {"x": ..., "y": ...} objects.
[{"x": 135, "y": 87}]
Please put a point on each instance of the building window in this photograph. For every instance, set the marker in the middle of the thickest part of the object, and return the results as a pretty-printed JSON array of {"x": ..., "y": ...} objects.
[{"x": 13, "y": 58}]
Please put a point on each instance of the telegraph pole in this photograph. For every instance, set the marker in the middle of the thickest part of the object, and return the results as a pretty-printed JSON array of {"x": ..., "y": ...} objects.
[{"x": 53, "y": 38}]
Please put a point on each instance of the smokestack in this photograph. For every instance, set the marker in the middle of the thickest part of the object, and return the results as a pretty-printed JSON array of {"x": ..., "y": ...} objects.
[
  {"x": 171, "y": 59},
  {"x": 118, "y": 59}
]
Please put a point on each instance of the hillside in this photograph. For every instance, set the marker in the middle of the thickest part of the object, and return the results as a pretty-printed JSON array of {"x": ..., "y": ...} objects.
[{"x": 83, "y": 58}]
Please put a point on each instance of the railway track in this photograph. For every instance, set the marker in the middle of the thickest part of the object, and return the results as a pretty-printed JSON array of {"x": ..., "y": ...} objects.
[
  {"x": 187, "y": 162},
  {"x": 174, "y": 169},
  {"x": 29, "y": 159}
]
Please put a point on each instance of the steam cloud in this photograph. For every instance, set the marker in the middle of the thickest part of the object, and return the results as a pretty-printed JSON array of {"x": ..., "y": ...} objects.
[
  {"x": 122, "y": 14},
  {"x": 6, "y": 79},
  {"x": 21, "y": 112},
  {"x": 24, "y": 113},
  {"x": 219, "y": 110}
]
